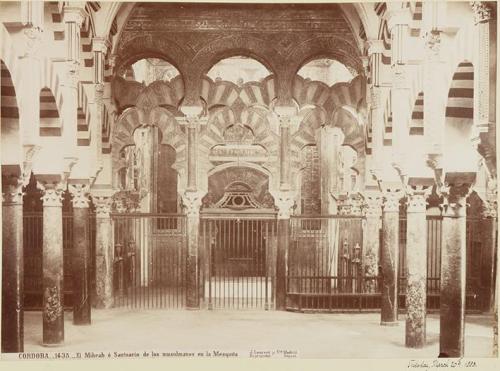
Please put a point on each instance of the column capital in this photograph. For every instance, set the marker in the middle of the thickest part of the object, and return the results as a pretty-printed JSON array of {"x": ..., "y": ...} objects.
[
  {"x": 373, "y": 204},
  {"x": 100, "y": 44},
  {"x": 397, "y": 16},
  {"x": 12, "y": 188},
  {"x": 490, "y": 208},
  {"x": 391, "y": 198},
  {"x": 33, "y": 42},
  {"x": 98, "y": 93},
  {"x": 357, "y": 202},
  {"x": 417, "y": 198},
  {"x": 192, "y": 117},
  {"x": 74, "y": 12},
  {"x": 192, "y": 201},
  {"x": 482, "y": 12},
  {"x": 80, "y": 193},
  {"x": 374, "y": 46},
  {"x": 433, "y": 43},
  {"x": 285, "y": 203},
  {"x": 375, "y": 98},
  {"x": 102, "y": 205},
  {"x": 72, "y": 74},
  {"x": 52, "y": 192},
  {"x": 455, "y": 190}
]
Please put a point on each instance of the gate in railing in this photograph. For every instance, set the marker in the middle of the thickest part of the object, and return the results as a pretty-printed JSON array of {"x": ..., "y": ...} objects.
[
  {"x": 150, "y": 260},
  {"x": 237, "y": 251}
]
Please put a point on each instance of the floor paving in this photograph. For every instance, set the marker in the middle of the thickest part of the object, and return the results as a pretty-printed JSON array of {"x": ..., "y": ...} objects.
[{"x": 253, "y": 333}]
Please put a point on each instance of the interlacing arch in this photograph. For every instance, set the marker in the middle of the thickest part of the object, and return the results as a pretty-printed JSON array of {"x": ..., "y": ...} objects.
[
  {"x": 133, "y": 118},
  {"x": 158, "y": 93},
  {"x": 321, "y": 102}
]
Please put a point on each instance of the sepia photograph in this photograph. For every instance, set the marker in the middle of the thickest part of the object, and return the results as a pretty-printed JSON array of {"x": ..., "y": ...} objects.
[{"x": 237, "y": 180}]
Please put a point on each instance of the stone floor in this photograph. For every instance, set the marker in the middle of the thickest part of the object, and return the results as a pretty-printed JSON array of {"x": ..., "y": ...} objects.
[{"x": 311, "y": 335}]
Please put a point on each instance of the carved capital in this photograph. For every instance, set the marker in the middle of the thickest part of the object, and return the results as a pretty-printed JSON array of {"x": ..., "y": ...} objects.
[
  {"x": 33, "y": 41},
  {"x": 72, "y": 75},
  {"x": 455, "y": 196},
  {"x": 285, "y": 203},
  {"x": 52, "y": 193},
  {"x": 192, "y": 122},
  {"x": 490, "y": 206},
  {"x": 100, "y": 44},
  {"x": 391, "y": 199},
  {"x": 375, "y": 98},
  {"x": 433, "y": 42},
  {"x": 482, "y": 12},
  {"x": 192, "y": 201},
  {"x": 417, "y": 199},
  {"x": 80, "y": 193},
  {"x": 356, "y": 204},
  {"x": 74, "y": 14},
  {"x": 102, "y": 206},
  {"x": 12, "y": 189},
  {"x": 373, "y": 204},
  {"x": 99, "y": 93}
]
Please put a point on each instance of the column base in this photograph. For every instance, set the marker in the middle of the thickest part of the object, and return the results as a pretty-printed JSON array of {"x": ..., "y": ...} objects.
[
  {"x": 53, "y": 345},
  {"x": 392, "y": 323}
]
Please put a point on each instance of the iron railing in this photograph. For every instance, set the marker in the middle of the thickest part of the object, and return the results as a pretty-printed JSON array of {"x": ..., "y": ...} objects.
[
  {"x": 150, "y": 255},
  {"x": 33, "y": 253}
]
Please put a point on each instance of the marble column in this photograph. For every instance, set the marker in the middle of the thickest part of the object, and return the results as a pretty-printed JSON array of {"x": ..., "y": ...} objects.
[
  {"x": 329, "y": 142},
  {"x": 192, "y": 203},
  {"x": 453, "y": 270},
  {"x": 104, "y": 252},
  {"x": 489, "y": 228},
  {"x": 371, "y": 238},
  {"x": 390, "y": 257},
  {"x": 416, "y": 262},
  {"x": 285, "y": 201},
  {"x": 12, "y": 265},
  {"x": 191, "y": 168},
  {"x": 52, "y": 258},
  {"x": 482, "y": 16},
  {"x": 81, "y": 254}
]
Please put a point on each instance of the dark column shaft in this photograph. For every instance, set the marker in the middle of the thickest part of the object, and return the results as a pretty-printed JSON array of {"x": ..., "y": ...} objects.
[
  {"x": 452, "y": 324},
  {"x": 281, "y": 268},
  {"x": 53, "y": 307},
  {"x": 12, "y": 278},
  {"x": 81, "y": 267}
]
